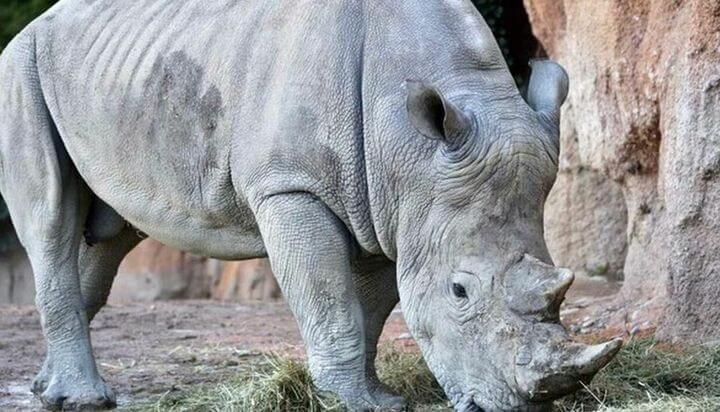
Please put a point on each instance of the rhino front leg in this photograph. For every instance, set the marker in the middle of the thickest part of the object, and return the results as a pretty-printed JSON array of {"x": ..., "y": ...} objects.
[
  {"x": 377, "y": 285},
  {"x": 311, "y": 253}
]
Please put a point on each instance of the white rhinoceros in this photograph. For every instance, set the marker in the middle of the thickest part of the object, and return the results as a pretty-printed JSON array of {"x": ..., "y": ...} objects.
[{"x": 377, "y": 151}]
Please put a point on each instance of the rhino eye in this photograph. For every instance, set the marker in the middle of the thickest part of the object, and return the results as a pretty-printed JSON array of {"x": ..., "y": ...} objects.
[{"x": 459, "y": 290}]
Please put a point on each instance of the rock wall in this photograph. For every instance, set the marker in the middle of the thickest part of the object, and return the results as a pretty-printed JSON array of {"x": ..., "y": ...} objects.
[
  {"x": 16, "y": 280},
  {"x": 248, "y": 280},
  {"x": 585, "y": 221},
  {"x": 153, "y": 271},
  {"x": 643, "y": 122}
]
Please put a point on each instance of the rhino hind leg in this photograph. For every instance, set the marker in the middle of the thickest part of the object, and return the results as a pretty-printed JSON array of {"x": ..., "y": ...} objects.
[
  {"x": 312, "y": 258},
  {"x": 98, "y": 265},
  {"x": 48, "y": 204}
]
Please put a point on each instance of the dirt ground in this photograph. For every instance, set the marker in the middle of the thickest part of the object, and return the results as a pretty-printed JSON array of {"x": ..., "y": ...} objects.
[{"x": 147, "y": 349}]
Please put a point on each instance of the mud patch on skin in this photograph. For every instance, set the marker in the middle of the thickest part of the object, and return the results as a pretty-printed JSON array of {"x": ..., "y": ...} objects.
[
  {"x": 175, "y": 87},
  {"x": 210, "y": 110},
  {"x": 182, "y": 118}
]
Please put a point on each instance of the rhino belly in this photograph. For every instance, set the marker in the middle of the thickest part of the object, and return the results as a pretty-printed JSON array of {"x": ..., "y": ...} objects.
[{"x": 181, "y": 195}]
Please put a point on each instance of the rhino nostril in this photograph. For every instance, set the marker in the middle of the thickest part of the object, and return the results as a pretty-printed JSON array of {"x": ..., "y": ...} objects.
[
  {"x": 478, "y": 408},
  {"x": 474, "y": 407}
]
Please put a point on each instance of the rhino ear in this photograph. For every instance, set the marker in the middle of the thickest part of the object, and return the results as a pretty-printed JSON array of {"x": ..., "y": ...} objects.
[
  {"x": 432, "y": 115},
  {"x": 548, "y": 88}
]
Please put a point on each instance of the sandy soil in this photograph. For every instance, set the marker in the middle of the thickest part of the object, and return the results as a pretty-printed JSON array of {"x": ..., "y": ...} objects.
[
  {"x": 145, "y": 350},
  {"x": 149, "y": 349}
]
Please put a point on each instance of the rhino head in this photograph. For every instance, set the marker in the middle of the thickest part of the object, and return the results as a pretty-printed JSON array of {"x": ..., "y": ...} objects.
[{"x": 476, "y": 281}]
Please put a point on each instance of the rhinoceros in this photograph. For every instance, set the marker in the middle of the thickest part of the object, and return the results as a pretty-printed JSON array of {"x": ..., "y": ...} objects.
[{"x": 377, "y": 151}]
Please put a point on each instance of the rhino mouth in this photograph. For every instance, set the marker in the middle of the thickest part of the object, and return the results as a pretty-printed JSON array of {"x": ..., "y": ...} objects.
[
  {"x": 478, "y": 404},
  {"x": 469, "y": 404}
]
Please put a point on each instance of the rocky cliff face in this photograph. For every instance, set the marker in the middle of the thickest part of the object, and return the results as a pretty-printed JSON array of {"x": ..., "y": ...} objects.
[
  {"x": 247, "y": 280},
  {"x": 641, "y": 150},
  {"x": 16, "y": 278}
]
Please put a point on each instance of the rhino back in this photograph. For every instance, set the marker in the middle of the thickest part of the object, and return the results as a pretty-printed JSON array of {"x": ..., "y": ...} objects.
[{"x": 182, "y": 113}]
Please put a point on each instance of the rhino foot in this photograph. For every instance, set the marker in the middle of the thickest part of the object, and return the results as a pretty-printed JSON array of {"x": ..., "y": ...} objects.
[
  {"x": 40, "y": 383},
  {"x": 70, "y": 393},
  {"x": 385, "y": 400},
  {"x": 379, "y": 398},
  {"x": 77, "y": 396}
]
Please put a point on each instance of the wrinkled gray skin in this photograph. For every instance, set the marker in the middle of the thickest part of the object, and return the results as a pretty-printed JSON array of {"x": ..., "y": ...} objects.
[{"x": 375, "y": 150}]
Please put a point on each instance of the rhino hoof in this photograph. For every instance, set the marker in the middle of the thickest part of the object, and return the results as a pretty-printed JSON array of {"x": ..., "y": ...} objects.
[
  {"x": 76, "y": 397},
  {"x": 379, "y": 399},
  {"x": 388, "y": 401}
]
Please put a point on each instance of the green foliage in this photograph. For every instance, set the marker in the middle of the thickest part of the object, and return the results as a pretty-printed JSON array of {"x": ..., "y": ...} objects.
[
  {"x": 600, "y": 270},
  {"x": 493, "y": 12},
  {"x": 16, "y": 14}
]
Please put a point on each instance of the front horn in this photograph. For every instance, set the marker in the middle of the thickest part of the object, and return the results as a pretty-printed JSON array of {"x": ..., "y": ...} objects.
[{"x": 547, "y": 379}]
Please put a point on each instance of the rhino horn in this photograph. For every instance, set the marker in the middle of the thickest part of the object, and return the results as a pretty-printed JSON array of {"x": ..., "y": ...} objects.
[
  {"x": 591, "y": 358},
  {"x": 559, "y": 285},
  {"x": 583, "y": 362},
  {"x": 536, "y": 289}
]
